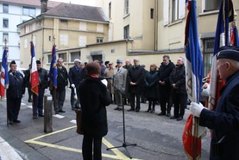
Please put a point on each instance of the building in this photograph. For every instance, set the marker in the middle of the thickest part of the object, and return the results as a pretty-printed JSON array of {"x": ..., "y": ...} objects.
[
  {"x": 12, "y": 13},
  {"x": 68, "y": 26},
  {"x": 171, "y": 26}
]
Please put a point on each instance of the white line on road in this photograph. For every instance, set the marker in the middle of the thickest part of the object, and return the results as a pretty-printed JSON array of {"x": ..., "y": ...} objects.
[
  {"x": 58, "y": 116},
  {"x": 73, "y": 121},
  {"x": 7, "y": 152}
]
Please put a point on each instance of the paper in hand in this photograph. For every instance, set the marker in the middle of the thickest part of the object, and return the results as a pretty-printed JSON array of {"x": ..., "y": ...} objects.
[{"x": 104, "y": 81}]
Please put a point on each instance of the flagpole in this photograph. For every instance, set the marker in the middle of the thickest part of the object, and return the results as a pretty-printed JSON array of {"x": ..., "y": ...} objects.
[
  {"x": 5, "y": 47},
  {"x": 54, "y": 88}
]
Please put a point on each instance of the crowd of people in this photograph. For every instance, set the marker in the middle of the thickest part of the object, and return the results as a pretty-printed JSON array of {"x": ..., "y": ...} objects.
[{"x": 128, "y": 84}]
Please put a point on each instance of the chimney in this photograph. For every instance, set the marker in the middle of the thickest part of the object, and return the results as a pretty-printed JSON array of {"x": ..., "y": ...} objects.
[{"x": 43, "y": 6}]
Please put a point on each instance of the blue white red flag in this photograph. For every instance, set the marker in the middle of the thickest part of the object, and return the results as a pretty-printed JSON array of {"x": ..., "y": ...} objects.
[
  {"x": 194, "y": 76},
  {"x": 53, "y": 69},
  {"x": 226, "y": 15},
  {"x": 4, "y": 73},
  {"x": 234, "y": 39},
  {"x": 34, "y": 77}
]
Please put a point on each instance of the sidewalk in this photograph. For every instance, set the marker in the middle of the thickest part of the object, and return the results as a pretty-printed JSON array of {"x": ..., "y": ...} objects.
[{"x": 7, "y": 152}]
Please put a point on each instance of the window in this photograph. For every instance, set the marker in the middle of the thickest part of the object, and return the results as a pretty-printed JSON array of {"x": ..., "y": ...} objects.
[
  {"x": 49, "y": 58},
  {"x": 175, "y": 10},
  {"x": 5, "y": 8},
  {"x": 29, "y": 11},
  {"x": 100, "y": 28},
  {"x": 5, "y": 37},
  {"x": 75, "y": 55},
  {"x": 64, "y": 39},
  {"x": 126, "y": 32},
  {"x": 82, "y": 41},
  {"x": 207, "y": 56},
  {"x": 212, "y": 5},
  {"x": 126, "y": 6},
  {"x": 83, "y": 26},
  {"x": 63, "y": 56},
  {"x": 5, "y": 23},
  {"x": 110, "y": 10},
  {"x": 151, "y": 13},
  {"x": 99, "y": 40}
]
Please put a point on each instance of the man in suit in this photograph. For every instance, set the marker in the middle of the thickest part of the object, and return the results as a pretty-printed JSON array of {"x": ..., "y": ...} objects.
[
  {"x": 75, "y": 76},
  {"x": 119, "y": 83},
  {"x": 38, "y": 99},
  {"x": 14, "y": 93},
  {"x": 224, "y": 120}
]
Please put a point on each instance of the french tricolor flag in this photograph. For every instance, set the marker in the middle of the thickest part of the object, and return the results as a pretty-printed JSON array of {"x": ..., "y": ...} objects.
[
  {"x": 34, "y": 77},
  {"x": 4, "y": 73}
]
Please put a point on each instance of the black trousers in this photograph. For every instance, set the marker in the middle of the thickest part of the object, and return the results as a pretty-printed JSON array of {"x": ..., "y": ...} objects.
[
  {"x": 13, "y": 108},
  {"x": 165, "y": 99},
  {"x": 132, "y": 100},
  {"x": 180, "y": 103},
  {"x": 37, "y": 104},
  {"x": 88, "y": 141}
]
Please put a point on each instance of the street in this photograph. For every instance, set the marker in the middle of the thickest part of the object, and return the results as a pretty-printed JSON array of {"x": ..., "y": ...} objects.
[{"x": 156, "y": 137}]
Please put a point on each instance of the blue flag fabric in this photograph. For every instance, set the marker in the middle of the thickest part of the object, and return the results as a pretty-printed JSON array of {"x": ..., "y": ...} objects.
[
  {"x": 194, "y": 72},
  {"x": 5, "y": 66},
  {"x": 226, "y": 15},
  {"x": 53, "y": 68}
]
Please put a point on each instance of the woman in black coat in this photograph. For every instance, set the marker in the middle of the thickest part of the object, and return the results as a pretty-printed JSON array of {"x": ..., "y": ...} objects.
[
  {"x": 94, "y": 97},
  {"x": 151, "y": 89}
]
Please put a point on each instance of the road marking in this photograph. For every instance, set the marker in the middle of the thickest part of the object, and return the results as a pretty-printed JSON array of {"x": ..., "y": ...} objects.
[
  {"x": 73, "y": 121},
  {"x": 118, "y": 154},
  {"x": 58, "y": 116},
  {"x": 7, "y": 152},
  {"x": 23, "y": 104},
  {"x": 29, "y": 107}
]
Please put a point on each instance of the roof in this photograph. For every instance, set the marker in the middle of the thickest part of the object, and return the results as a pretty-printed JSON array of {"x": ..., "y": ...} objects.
[
  {"x": 77, "y": 12},
  {"x": 35, "y": 3}
]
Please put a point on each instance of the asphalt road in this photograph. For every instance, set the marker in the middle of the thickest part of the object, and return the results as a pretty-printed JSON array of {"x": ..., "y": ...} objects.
[{"x": 156, "y": 137}]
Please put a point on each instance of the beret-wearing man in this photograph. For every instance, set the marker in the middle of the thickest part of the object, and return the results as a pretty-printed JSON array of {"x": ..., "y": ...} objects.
[{"x": 224, "y": 120}]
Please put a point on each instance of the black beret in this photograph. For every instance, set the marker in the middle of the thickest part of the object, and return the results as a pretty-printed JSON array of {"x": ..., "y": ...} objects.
[
  {"x": 38, "y": 61},
  {"x": 228, "y": 53},
  {"x": 12, "y": 62}
]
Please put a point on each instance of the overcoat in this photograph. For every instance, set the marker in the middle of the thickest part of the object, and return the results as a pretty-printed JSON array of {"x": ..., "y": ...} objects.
[
  {"x": 94, "y": 97},
  {"x": 224, "y": 122}
]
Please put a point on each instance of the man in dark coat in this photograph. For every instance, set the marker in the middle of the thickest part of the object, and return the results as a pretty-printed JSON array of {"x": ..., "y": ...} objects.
[
  {"x": 165, "y": 70},
  {"x": 94, "y": 97},
  {"x": 62, "y": 82},
  {"x": 136, "y": 80},
  {"x": 14, "y": 93},
  {"x": 224, "y": 120},
  {"x": 37, "y": 104},
  {"x": 179, "y": 94},
  {"x": 75, "y": 76}
]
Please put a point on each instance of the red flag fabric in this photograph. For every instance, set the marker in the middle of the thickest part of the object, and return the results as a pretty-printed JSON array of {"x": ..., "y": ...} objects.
[
  {"x": 34, "y": 77},
  {"x": 191, "y": 143}
]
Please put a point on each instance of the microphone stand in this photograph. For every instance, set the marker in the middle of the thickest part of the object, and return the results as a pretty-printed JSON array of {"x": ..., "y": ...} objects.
[{"x": 124, "y": 144}]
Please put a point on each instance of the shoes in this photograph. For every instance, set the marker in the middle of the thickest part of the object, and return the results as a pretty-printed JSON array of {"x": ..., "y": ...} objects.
[
  {"x": 131, "y": 109},
  {"x": 10, "y": 122},
  {"x": 34, "y": 117},
  {"x": 16, "y": 121},
  {"x": 173, "y": 117},
  {"x": 179, "y": 118},
  {"x": 168, "y": 114},
  {"x": 152, "y": 111},
  {"x": 41, "y": 115},
  {"x": 117, "y": 108},
  {"x": 137, "y": 110},
  {"x": 61, "y": 111},
  {"x": 162, "y": 114}
]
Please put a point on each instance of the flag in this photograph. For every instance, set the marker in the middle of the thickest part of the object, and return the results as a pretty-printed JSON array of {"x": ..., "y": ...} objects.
[
  {"x": 234, "y": 41},
  {"x": 225, "y": 16},
  {"x": 194, "y": 76},
  {"x": 34, "y": 77},
  {"x": 53, "y": 70},
  {"x": 4, "y": 73}
]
